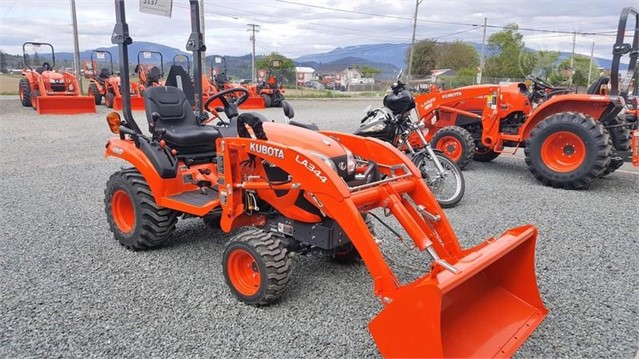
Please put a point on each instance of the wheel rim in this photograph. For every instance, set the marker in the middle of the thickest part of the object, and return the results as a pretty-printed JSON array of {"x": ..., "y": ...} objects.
[
  {"x": 451, "y": 146},
  {"x": 244, "y": 272},
  {"x": 445, "y": 186},
  {"x": 563, "y": 151},
  {"x": 123, "y": 211}
]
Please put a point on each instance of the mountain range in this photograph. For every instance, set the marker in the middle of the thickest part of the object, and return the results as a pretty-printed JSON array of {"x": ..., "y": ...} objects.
[{"x": 387, "y": 57}]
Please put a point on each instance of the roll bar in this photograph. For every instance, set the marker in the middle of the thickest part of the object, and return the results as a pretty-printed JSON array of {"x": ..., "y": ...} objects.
[
  {"x": 619, "y": 49},
  {"x": 24, "y": 53},
  {"x": 122, "y": 38}
]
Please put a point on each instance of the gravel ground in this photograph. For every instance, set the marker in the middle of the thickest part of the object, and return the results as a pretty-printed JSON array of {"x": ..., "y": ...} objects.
[{"x": 69, "y": 290}]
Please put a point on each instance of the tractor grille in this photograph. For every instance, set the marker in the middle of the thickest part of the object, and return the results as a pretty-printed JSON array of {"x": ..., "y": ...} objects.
[{"x": 58, "y": 87}]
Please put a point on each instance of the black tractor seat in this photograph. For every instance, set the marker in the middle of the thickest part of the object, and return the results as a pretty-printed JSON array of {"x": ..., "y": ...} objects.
[{"x": 171, "y": 118}]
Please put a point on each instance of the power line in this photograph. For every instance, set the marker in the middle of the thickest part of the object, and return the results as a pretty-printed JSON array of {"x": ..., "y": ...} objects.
[{"x": 435, "y": 21}]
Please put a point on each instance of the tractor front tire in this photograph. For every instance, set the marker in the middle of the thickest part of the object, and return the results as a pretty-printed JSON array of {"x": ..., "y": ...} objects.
[
  {"x": 267, "y": 100},
  {"x": 256, "y": 267},
  {"x": 34, "y": 99},
  {"x": 136, "y": 221},
  {"x": 483, "y": 154},
  {"x": 95, "y": 93},
  {"x": 456, "y": 143},
  {"x": 619, "y": 135},
  {"x": 568, "y": 150},
  {"x": 109, "y": 99},
  {"x": 25, "y": 93}
]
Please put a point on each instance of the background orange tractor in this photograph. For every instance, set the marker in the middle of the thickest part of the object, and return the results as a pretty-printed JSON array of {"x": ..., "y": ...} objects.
[
  {"x": 271, "y": 88},
  {"x": 46, "y": 90},
  {"x": 219, "y": 82},
  {"x": 570, "y": 139},
  {"x": 301, "y": 190},
  {"x": 150, "y": 69},
  {"x": 106, "y": 84}
]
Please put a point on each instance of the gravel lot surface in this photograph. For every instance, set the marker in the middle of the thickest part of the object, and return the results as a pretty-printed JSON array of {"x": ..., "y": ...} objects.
[{"x": 69, "y": 290}]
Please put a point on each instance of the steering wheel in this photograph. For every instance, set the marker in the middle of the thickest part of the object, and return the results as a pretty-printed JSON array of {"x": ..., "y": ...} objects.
[
  {"x": 46, "y": 66},
  {"x": 230, "y": 108},
  {"x": 539, "y": 82}
]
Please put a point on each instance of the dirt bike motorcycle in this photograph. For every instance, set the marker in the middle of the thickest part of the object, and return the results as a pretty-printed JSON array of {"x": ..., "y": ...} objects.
[{"x": 394, "y": 125}]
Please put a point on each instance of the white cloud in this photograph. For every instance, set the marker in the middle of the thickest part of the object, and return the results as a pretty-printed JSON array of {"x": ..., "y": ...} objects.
[{"x": 294, "y": 29}]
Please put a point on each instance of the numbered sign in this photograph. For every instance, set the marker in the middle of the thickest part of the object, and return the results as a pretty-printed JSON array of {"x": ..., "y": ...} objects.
[{"x": 157, "y": 7}]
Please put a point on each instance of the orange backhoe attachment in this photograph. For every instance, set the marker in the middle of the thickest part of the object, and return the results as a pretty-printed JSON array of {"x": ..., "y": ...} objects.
[{"x": 476, "y": 302}]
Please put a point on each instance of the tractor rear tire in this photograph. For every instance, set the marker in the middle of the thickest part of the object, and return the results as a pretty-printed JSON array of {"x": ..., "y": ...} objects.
[
  {"x": 108, "y": 99},
  {"x": 483, "y": 154},
  {"x": 568, "y": 150},
  {"x": 620, "y": 136},
  {"x": 267, "y": 100},
  {"x": 615, "y": 160},
  {"x": 456, "y": 143},
  {"x": 136, "y": 221},
  {"x": 256, "y": 267},
  {"x": 95, "y": 93},
  {"x": 34, "y": 99},
  {"x": 347, "y": 253},
  {"x": 25, "y": 93}
]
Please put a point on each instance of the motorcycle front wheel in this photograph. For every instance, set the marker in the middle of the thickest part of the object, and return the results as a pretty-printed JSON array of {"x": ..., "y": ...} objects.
[{"x": 448, "y": 186}]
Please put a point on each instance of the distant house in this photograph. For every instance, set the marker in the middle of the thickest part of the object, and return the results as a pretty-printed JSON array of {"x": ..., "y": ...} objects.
[
  {"x": 304, "y": 74},
  {"x": 339, "y": 76}
]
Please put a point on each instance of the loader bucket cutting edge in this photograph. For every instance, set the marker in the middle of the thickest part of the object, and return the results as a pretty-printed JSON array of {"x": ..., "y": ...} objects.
[
  {"x": 137, "y": 103},
  {"x": 486, "y": 310},
  {"x": 65, "y": 105},
  {"x": 253, "y": 103}
]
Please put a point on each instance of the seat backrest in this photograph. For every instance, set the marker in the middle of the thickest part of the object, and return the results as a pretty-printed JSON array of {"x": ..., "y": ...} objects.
[
  {"x": 154, "y": 76},
  {"x": 104, "y": 73},
  {"x": 172, "y": 105},
  {"x": 178, "y": 77},
  {"x": 595, "y": 88}
]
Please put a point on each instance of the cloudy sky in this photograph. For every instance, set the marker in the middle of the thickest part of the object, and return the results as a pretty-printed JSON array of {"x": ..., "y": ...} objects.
[{"x": 299, "y": 27}]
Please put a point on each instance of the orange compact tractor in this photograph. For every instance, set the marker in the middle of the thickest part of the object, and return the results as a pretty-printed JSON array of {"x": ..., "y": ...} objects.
[
  {"x": 149, "y": 74},
  {"x": 271, "y": 88},
  {"x": 105, "y": 83},
  {"x": 219, "y": 82},
  {"x": 570, "y": 140},
  {"x": 46, "y": 90},
  {"x": 298, "y": 190}
]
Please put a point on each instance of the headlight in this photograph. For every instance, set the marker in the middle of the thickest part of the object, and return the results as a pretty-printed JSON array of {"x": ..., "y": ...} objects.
[
  {"x": 325, "y": 159},
  {"x": 350, "y": 161}
]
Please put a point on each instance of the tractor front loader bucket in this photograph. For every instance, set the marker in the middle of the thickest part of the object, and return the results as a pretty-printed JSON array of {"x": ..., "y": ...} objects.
[
  {"x": 137, "y": 103},
  {"x": 253, "y": 103},
  {"x": 65, "y": 105},
  {"x": 486, "y": 310},
  {"x": 477, "y": 302}
]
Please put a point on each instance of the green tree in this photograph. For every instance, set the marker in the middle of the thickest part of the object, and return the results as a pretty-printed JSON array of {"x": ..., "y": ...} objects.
[
  {"x": 580, "y": 68},
  {"x": 511, "y": 58},
  {"x": 424, "y": 57},
  {"x": 545, "y": 63},
  {"x": 456, "y": 56},
  {"x": 3, "y": 62},
  {"x": 286, "y": 71},
  {"x": 368, "y": 71}
]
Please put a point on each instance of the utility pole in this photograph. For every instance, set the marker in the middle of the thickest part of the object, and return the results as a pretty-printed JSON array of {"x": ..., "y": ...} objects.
[
  {"x": 412, "y": 46},
  {"x": 592, "y": 55},
  {"x": 203, "y": 37},
  {"x": 572, "y": 57},
  {"x": 483, "y": 53},
  {"x": 253, "y": 29},
  {"x": 76, "y": 47}
]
